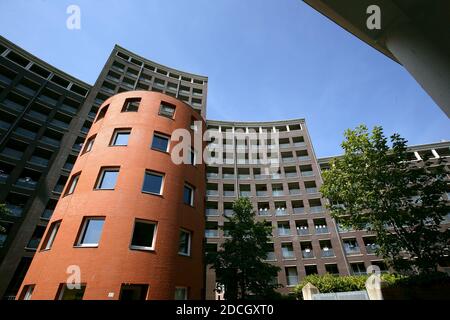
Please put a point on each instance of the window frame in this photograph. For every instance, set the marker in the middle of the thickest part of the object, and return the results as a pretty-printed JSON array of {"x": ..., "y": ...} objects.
[
  {"x": 161, "y": 135},
  {"x": 131, "y": 100},
  {"x": 155, "y": 229},
  {"x": 89, "y": 144},
  {"x": 115, "y": 134},
  {"x": 186, "y": 293},
  {"x": 51, "y": 235},
  {"x": 189, "y": 244},
  {"x": 154, "y": 173},
  {"x": 82, "y": 232},
  {"x": 73, "y": 182},
  {"x": 63, "y": 287},
  {"x": 101, "y": 177},
  {"x": 192, "y": 194},
  {"x": 167, "y": 104}
]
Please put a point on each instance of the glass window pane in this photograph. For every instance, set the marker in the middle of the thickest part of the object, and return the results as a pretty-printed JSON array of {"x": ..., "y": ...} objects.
[
  {"x": 74, "y": 184},
  {"x": 152, "y": 183},
  {"x": 184, "y": 243},
  {"x": 109, "y": 179},
  {"x": 143, "y": 235},
  {"x": 72, "y": 294},
  {"x": 92, "y": 231},
  {"x": 180, "y": 293},
  {"x": 160, "y": 143},
  {"x": 187, "y": 196},
  {"x": 121, "y": 139}
]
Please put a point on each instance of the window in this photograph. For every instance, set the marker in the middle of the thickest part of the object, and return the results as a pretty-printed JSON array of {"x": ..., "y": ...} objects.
[
  {"x": 167, "y": 110},
  {"x": 27, "y": 292},
  {"x": 91, "y": 232},
  {"x": 73, "y": 183},
  {"x": 185, "y": 243},
  {"x": 160, "y": 142},
  {"x": 51, "y": 235},
  {"x": 89, "y": 144},
  {"x": 120, "y": 137},
  {"x": 181, "y": 293},
  {"x": 102, "y": 113},
  {"x": 143, "y": 235},
  {"x": 107, "y": 179},
  {"x": 193, "y": 157},
  {"x": 77, "y": 293},
  {"x": 153, "y": 182},
  {"x": 188, "y": 195},
  {"x": 133, "y": 292},
  {"x": 131, "y": 105}
]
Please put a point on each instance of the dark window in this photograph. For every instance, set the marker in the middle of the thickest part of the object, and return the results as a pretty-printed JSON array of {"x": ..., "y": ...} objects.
[
  {"x": 108, "y": 179},
  {"x": 188, "y": 195},
  {"x": 185, "y": 243},
  {"x": 131, "y": 105},
  {"x": 73, "y": 183},
  {"x": 102, "y": 113},
  {"x": 51, "y": 235},
  {"x": 64, "y": 293},
  {"x": 153, "y": 183},
  {"x": 160, "y": 142},
  {"x": 89, "y": 144},
  {"x": 167, "y": 109},
  {"x": 133, "y": 292},
  {"x": 143, "y": 235}
]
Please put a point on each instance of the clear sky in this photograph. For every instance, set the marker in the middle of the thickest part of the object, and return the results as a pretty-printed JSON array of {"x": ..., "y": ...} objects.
[{"x": 265, "y": 59}]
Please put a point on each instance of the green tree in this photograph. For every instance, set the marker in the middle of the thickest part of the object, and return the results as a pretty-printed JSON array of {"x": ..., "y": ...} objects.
[
  {"x": 377, "y": 187},
  {"x": 239, "y": 263}
]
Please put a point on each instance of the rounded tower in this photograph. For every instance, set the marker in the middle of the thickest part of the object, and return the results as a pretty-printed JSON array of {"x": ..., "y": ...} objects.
[{"x": 130, "y": 223}]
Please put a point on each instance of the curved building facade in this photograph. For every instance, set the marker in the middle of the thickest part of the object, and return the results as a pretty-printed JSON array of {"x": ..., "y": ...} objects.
[{"x": 130, "y": 223}]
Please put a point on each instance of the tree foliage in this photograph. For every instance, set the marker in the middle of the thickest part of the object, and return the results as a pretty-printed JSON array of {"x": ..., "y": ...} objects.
[
  {"x": 377, "y": 187},
  {"x": 239, "y": 263}
]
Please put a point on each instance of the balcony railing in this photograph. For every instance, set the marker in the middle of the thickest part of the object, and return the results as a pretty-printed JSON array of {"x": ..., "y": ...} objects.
[
  {"x": 289, "y": 159},
  {"x": 228, "y": 176},
  {"x": 304, "y": 158},
  {"x": 326, "y": 253},
  {"x": 307, "y": 254},
  {"x": 33, "y": 243},
  {"x": 284, "y": 232},
  {"x": 60, "y": 124},
  {"x": 5, "y": 79},
  {"x": 39, "y": 161},
  {"x": 212, "y": 192},
  {"x": 316, "y": 209},
  {"x": 259, "y": 177},
  {"x": 294, "y": 191},
  {"x": 288, "y": 254},
  {"x": 290, "y": 174},
  {"x": 349, "y": 250},
  {"x": 307, "y": 173},
  {"x": 58, "y": 188},
  {"x": 4, "y": 125},
  {"x": 311, "y": 190},
  {"x": 26, "y": 183},
  {"x": 3, "y": 177},
  {"x": 371, "y": 248},
  {"x": 320, "y": 229},
  {"x": 277, "y": 193},
  {"x": 244, "y": 176},
  {"x": 11, "y": 153},
  {"x": 14, "y": 210},
  {"x": 261, "y": 193},
  {"x": 13, "y": 105},
  {"x": 264, "y": 212},
  {"x": 300, "y": 144},
  {"x": 37, "y": 115},
  {"x": 50, "y": 141},
  {"x": 229, "y": 193},
  {"x": 69, "y": 109},
  {"x": 228, "y": 212},
  {"x": 25, "y": 133},
  {"x": 302, "y": 231},
  {"x": 271, "y": 256},
  {"x": 48, "y": 100},
  {"x": 285, "y": 145},
  {"x": 68, "y": 166},
  {"x": 26, "y": 90},
  {"x": 212, "y": 175},
  {"x": 276, "y": 176},
  {"x": 47, "y": 214},
  {"x": 298, "y": 210},
  {"x": 245, "y": 193},
  {"x": 211, "y": 233},
  {"x": 211, "y": 212},
  {"x": 281, "y": 212}
]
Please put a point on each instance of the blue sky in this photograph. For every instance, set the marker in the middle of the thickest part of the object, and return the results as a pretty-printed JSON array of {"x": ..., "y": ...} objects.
[{"x": 266, "y": 60}]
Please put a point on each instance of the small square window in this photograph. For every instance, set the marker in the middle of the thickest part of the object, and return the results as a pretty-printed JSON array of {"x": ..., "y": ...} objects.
[
  {"x": 181, "y": 293},
  {"x": 27, "y": 292},
  {"x": 160, "y": 142},
  {"x": 188, "y": 195},
  {"x": 108, "y": 179},
  {"x": 51, "y": 235},
  {"x": 143, "y": 235},
  {"x": 91, "y": 232},
  {"x": 153, "y": 182},
  {"x": 73, "y": 183},
  {"x": 185, "y": 243},
  {"x": 131, "y": 105},
  {"x": 167, "y": 110},
  {"x": 120, "y": 137},
  {"x": 89, "y": 144}
]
